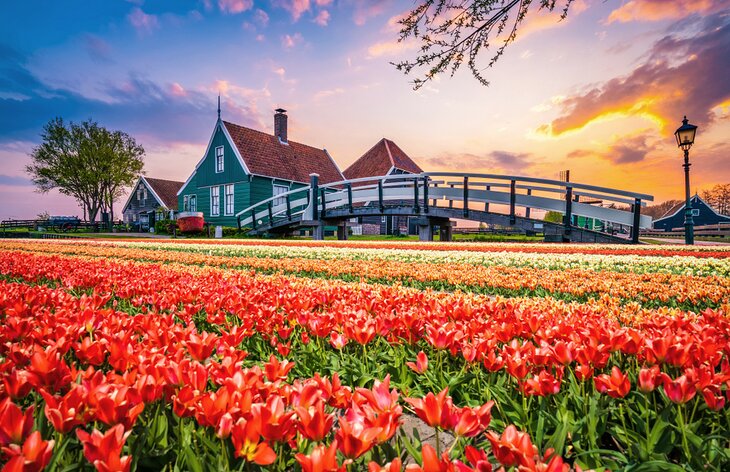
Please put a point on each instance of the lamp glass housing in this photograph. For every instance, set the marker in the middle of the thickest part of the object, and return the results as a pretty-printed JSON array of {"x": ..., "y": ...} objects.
[{"x": 685, "y": 134}]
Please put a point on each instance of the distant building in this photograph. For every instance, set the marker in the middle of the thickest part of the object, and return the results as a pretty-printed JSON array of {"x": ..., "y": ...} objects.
[
  {"x": 702, "y": 214},
  {"x": 242, "y": 166},
  {"x": 385, "y": 158},
  {"x": 151, "y": 200}
]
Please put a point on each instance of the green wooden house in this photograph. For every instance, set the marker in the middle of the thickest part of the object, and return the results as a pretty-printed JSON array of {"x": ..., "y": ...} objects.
[{"x": 242, "y": 166}]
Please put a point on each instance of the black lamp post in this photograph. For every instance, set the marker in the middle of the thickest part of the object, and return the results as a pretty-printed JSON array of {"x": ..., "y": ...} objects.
[{"x": 685, "y": 135}]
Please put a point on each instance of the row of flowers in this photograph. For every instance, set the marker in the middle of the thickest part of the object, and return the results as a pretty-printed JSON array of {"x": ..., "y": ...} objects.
[
  {"x": 540, "y": 248},
  {"x": 675, "y": 264},
  {"x": 648, "y": 289}
]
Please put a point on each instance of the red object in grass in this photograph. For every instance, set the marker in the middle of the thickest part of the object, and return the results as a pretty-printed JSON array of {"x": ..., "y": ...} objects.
[{"x": 190, "y": 222}]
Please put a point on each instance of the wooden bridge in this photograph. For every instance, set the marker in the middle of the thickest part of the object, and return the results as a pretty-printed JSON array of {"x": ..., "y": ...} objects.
[{"x": 437, "y": 198}]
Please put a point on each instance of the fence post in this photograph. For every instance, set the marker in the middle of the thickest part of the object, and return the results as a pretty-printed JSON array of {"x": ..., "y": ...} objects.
[
  {"x": 416, "y": 207},
  {"x": 527, "y": 210},
  {"x": 380, "y": 195},
  {"x": 486, "y": 204},
  {"x": 271, "y": 213},
  {"x": 568, "y": 218},
  {"x": 238, "y": 222},
  {"x": 512, "y": 201},
  {"x": 313, "y": 193},
  {"x": 466, "y": 196},
  {"x": 349, "y": 197},
  {"x": 253, "y": 219},
  {"x": 324, "y": 204},
  {"x": 288, "y": 208},
  {"x": 425, "y": 194},
  {"x": 637, "y": 221}
]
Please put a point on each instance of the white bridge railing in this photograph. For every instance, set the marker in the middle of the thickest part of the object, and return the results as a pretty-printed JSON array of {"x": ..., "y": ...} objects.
[{"x": 468, "y": 192}]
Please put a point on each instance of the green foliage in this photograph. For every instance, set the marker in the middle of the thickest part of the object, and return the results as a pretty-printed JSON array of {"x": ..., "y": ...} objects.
[
  {"x": 85, "y": 161},
  {"x": 165, "y": 226},
  {"x": 553, "y": 217}
]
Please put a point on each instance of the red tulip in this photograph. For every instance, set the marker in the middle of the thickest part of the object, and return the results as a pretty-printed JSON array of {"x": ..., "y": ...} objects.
[
  {"x": 338, "y": 340},
  {"x": 421, "y": 363},
  {"x": 354, "y": 438},
  {"x": 314, "y": 423},
  {"x": 69, "y": 411},
  {"x": 616, "y": 385},
  {"x": 104, "y": 450},
  {"x": 649, "y": 379},
  {"x": 433, "y": 409},
  {"x": 321, "y": 459},
  {"x": 34, "y": 455},
  {"x": 713, "y": 397},
  {"x": 680, "y": 390},
  {"x": 15, "y": 425},
  {"x": 18, "y": 383},
  {"x": 246, "y": 439},
  {"x": 276, "y": 370},
  {"x": 513, "y": 447},
  {"x": 393, "y": 466}
]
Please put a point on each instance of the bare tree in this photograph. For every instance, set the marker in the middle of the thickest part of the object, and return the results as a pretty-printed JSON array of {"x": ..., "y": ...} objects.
[
  {"x": 453, "y": 31},
  {"x": 718, "y": 197}
]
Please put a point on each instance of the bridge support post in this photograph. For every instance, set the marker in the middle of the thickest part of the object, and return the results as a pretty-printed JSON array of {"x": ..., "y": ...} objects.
[
  {"x": 486, "y": 205},
  {"x": 637, "y": 221},
  {"x": 527, "y": 210},
  {"x": 318, "y": 231},
  {"x": 425, "y": 229},
  {"x": 446, "y": 231},
  {"x": 342, "y": 231}
]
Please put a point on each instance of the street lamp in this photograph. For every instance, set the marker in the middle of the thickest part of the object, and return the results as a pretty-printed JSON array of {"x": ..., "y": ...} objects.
[{"x": 685, "y": 135}]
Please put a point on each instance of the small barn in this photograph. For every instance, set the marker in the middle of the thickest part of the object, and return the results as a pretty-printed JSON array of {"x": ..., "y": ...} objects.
[
  {"x": 384, "y": 158},
  {"x": 151, "y": 200},
  {"x": 702, "y": 214}
]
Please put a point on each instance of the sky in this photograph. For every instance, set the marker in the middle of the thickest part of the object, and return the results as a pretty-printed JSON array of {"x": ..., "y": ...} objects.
[{"x": 600, "y": 92}]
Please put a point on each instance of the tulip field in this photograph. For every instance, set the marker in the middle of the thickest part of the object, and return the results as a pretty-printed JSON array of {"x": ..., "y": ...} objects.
[{"x": 362, "y": 356}]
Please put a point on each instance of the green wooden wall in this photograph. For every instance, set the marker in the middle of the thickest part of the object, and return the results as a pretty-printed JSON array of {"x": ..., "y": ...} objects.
[{"x": 247, "y": 189}]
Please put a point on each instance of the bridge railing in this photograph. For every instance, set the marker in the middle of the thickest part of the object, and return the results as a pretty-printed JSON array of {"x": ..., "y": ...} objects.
[{"x": 470, "y": 192}]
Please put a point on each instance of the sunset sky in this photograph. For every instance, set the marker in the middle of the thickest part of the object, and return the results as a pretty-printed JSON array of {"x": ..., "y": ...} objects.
[{"x": 599, "y": 93}]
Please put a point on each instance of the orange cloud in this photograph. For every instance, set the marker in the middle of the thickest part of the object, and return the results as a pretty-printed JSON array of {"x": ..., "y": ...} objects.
[
  {"x": 658, "y": 89},
  {"x": 655, "y": 10}
]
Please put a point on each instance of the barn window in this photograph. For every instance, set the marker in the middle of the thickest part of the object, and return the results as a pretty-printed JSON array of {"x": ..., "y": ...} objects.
[
  {"x": 278, "y": 190},
  {"x": 695, "y": 212},
  {"x": 193, "y": 203},
  {"x": 186, "y": 203},
  {"x": 219, "y": 159},
  {"x": 215, "y": 201},
  {"x": 229, "y": 199}
]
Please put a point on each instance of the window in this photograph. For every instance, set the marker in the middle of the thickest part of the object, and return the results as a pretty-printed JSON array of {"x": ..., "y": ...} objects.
[
  {"x": 193, "y": 203},
  {"x": 219, "y": 159},
  {"x": 278, "y": 190},
  {"x": 144, "y": 193},
  {"x": 139, "y": 193},
  {"x": 229, "y": 199},
  {"x": 215, "y": 201},
  {"x": 186, "y": 203},
  {"x": 695, "y": 212}
]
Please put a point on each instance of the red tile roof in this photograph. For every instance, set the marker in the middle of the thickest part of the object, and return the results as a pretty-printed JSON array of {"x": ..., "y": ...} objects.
[
  {"x": 380, "y": 159},
  {"x": 265, "y": 155},
  {"x": 166, "y": 190}
]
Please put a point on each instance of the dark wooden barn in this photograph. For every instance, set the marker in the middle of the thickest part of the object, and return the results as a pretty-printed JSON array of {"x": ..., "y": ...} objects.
[{"x": 702, "y": 214}]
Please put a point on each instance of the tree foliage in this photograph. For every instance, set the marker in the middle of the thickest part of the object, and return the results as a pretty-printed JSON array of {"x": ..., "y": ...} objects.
[
  {"x": 87, "y": 162},
  {"x": 453, "y": 31},
  {"x": 659, "y": 210},
  {"x": 718, "y": 197}
]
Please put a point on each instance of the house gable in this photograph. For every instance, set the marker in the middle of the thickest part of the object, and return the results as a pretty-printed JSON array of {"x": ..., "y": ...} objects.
[
  {"x": 151, "y": 196},
  {"x": 384, "y": 158},
  {"x": 675, "y": 217}
]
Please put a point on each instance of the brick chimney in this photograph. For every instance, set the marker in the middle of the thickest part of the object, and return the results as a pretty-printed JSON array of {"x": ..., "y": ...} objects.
[{"x": 280, "y": 124}]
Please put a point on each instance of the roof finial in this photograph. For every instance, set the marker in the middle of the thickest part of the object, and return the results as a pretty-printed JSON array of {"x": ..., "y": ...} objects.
[{"x": 219, "y": 106}]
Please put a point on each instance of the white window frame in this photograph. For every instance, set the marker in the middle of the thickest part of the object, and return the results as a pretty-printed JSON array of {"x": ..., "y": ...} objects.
[
  {"x": 219, "y": 159},
  {"x": 695, "y": 212},
  {"x": 193, "y": 202},
  {"x": 215, "y": 201},
  {"x": 229, "y": 199},
  {"x": 280, "y": 200},
  {"x": 186, "y": 202}
]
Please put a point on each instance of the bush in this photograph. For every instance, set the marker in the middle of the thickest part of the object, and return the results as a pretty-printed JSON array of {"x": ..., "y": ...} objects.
[{"x": 165, "y": 226}]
